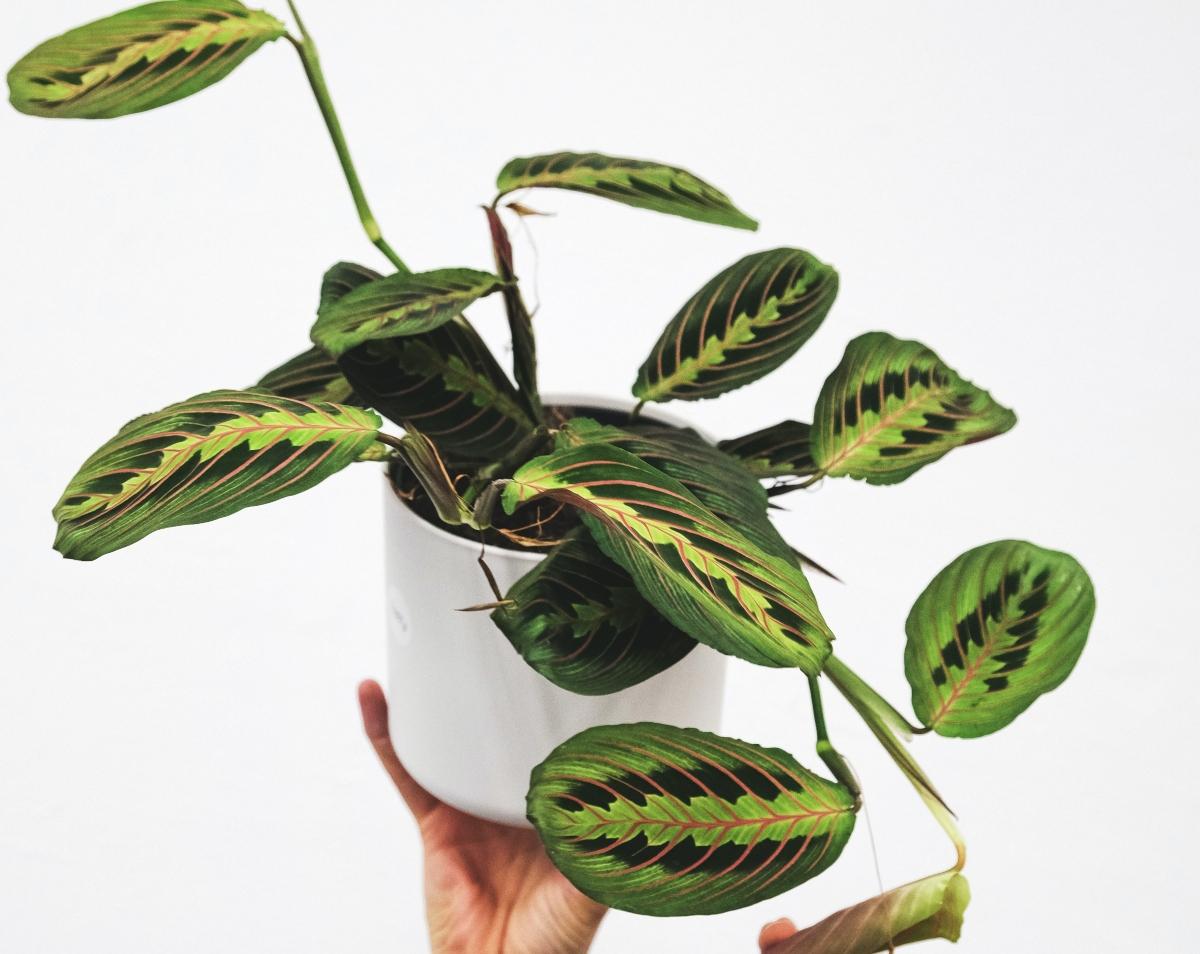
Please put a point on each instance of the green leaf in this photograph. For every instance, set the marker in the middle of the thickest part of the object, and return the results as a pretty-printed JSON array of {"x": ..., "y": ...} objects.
[
  {"x": 700, "y": 573},
  {"x": 658, "y": 820},
  {"x": 998, "y": 627},
  {"x": 578, "y": 619},
  {"x": 646, "y": 185},
  {"x": 921, "y": 911},
  {"x": 783, "y": 450},
  {"x": 718, "y": 481},
  {"x": 893, "y": 406},
  {"x": 445, "y": 381},
  {"x": 399, "y": 305},
  {"x": 311, "y": 376},
  {"x": 744, "y": 323},
  {"x": 140, "y": 59},
  {"x": 201, "y": 459}
]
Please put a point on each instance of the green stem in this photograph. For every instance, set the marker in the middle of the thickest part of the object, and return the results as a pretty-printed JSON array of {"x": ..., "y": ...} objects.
[
  {"x": 882, "y": 728},
  {"x": 853, "y": 686},
  {"x": 316, "y": 79},
  {"x": 829, "y": 755},
  {"x": 507, "y": 464}
]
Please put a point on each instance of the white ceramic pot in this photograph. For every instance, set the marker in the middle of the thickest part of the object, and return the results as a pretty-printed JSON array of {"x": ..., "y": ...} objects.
[{"x": 469, "y": 718}]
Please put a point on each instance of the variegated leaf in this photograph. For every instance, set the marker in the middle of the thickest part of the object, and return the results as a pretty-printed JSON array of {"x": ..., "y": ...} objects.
[
  {"x": 718, "y": 481},
  {"x": 893, "y": 406},
  {"x": 311, "y": 376},
  {"x": 342, "y": 279},
  {"x": 142, "y": 58},
  {"x": 636, "y": 182},
  {"x": 444, "y": 382},
  {"x": 578, "y": 619},
  {"x": 744, "y": 323},
  {"x": 783, "y": 450},
  {"x": 998, "y": 627},
  {"x": 921, "y": 911},
  {"x": 699, "y": 572},
  {"x": 399, "y": 305},
  {"x": 201, "y": 459},
  {"x": 658, "y": 820}
]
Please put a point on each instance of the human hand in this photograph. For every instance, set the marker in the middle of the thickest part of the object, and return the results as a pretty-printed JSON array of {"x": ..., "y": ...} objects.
[
  {"x": 775, "y": 933},
  {"x": 489, "y": 888}
]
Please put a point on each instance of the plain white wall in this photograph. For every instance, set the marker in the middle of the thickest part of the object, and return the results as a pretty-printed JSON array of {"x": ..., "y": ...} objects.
[{"x": 1014, "y": 184}]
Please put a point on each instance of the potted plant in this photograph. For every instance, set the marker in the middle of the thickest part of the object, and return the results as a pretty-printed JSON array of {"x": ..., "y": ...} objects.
[{"x": 622, "y": 554}]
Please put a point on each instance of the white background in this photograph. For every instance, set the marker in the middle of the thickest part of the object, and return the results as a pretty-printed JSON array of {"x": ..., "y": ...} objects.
[{"x": 1015, "y": 184}]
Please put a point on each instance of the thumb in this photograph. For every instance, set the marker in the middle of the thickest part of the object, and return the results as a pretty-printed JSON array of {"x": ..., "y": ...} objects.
[{"x": 774, "y": 933}]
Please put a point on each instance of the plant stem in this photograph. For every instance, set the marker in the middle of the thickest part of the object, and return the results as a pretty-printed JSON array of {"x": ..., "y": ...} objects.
[
  {"x": 316, "y": 79},
  {"x": 829, "y": 755},
  {"x": 882, "y": 728},
  {"x": 853, "y": 686},
  {"x": 520, "y": 322}
]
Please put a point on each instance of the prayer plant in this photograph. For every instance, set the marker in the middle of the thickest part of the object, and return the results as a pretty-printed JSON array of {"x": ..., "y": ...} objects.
[{"x": 656, "y": 539}]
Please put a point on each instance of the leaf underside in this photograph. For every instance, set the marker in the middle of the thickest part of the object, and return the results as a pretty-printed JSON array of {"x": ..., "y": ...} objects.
[
  {"x": 892, "y": 406},
  {"x": 201, "y": 459},
  {"x": 921, "y": 911},
  {"x": 782, "y": 450},
  {"x": 140, "y": 59},
  {"x": 998, "y": 627},
  {"x": 578, "y": 619},
  {"x": 636, "y": 182},
  {"x": 744, "y": 323},
  {"x": 700, "y": 573},
  {"x": 310, "y": 376},
  {"x": 666, "y": 821},
  {"x": 398, "y": 305},
  {"x": 444, "y": 382}
]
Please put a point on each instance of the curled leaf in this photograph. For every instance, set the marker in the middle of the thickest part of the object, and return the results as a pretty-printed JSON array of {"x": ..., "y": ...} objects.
[{"x": 921, "y": 911}]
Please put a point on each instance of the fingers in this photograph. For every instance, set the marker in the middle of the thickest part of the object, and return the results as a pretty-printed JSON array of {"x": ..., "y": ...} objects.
[
  {"x": 775, "y": 933},
  {"x": 375, "y": 723}
]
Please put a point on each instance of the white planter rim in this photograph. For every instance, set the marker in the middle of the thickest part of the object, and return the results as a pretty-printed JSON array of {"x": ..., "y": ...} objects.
[{"x": 533, "y": 555}]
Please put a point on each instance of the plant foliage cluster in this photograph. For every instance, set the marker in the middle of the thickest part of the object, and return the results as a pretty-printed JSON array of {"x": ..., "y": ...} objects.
[{"x": 656, "y": 539}]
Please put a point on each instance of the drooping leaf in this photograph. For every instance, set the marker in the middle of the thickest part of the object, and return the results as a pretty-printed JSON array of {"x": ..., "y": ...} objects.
[
  {"x": 998, "y": 627},
  {"x": 444, "y": 382},
  {"x": 142, "y": 58},
  {"x": 746, "y": 322},
  {"x": 423, "y": 459},
  {"x": 921, "y": 911},
  {"x": 578, "y": 619},
  {"x": 783, "y": 450},
  {"x": 893, "y": 406},
  {"x": 718, "y": 481},
  {"x": 311, "y": 376},
  {"x": 399, "y": 305},
  {"x": 646, "y": 185},
  {"x": 665, "y": 821},
  {"x": 700, "y": 573},
  {"x": 201, "y": 459}
]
